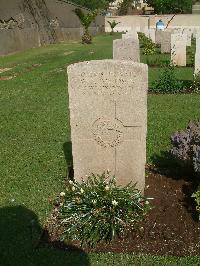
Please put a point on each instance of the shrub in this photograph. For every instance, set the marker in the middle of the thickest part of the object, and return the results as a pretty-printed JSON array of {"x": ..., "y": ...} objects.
[
  {"x": 195, "y": 87},
  {"x": 196, "y": 196},
  {"x": 186, "y": 146},
  {"x": 146, "y": 43},
  {"x": 98, "y": 210},
  {"x": 167, "y": 81},
  {"x": 86, "y": 20}
]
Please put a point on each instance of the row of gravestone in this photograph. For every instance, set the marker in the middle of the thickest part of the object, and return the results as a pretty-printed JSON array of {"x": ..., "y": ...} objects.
[
  {"x": 172, "y": 41},
  {"x": 108, "y": 114},
  {"x": 176, "y": 42}
]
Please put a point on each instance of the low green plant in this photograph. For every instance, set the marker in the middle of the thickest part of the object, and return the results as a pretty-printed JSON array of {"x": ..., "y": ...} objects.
[
  {"x": 113, "y": 24},
  {"x": 196, "y": 197},
  {"x": 167, "y": 81},
  {"x": 98, "y": 210},
  {"x": 149, "y": 48}
]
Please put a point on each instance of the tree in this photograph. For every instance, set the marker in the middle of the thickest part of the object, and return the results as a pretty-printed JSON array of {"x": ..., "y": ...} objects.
[
  {"x": 93, "y": 4},
  {"x": 113, "y": 24},
  {"x": 170, "y": 6},
  {"x": 86, "y": 20},
  {"x": 124, "y": 6}
]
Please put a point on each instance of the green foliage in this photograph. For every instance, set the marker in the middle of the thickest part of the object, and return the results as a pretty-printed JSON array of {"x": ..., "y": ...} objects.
[
  {"x": 196, "y": 196},
  {"x": 167, "y": 81},
  {"x": 123, "y": 7},
  {"x": 86, "y": 20},
  {"x": 147, "y": 44},
  {"x": 195, "y": 87},
  {"x": 113, "y": 24},
  {"x": 171, "y": 6},
  {"x": 93, "y": 4},
  {"x": 98, "y": 210},
  {"x": 186, "y": 146}
]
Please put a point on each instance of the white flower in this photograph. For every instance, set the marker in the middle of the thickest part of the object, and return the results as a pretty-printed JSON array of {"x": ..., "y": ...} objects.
[
  {"x": 94, "y": 201},
  {"x": 107, "y": 188},
  {"x": 82, "y": 191},
  {"x": 114, "y": 203},
  {"x": 71, "y": 182},
  {"x": 62, "y": 194},
  {"x": 147, "y": 202},
  {"x": 73, "y": 188},
  {"x": 61, "y": 204}
]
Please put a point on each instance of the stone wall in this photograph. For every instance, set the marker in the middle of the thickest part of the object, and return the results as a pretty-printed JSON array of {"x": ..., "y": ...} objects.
[
  {"x": 52, "y": 20},
  {"x": 18, "y": 40}
]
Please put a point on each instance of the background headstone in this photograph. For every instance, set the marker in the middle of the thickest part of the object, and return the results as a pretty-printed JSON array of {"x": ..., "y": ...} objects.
[
  {"x": 126, "y": 49},
  {"x": 108, "y": 116},
  {"x": 197, "y": 56},
  {"x": 178, "y": 49},
  {"x": 158, "y": 36},
  {"x": 152, "y": 35},
  {"x": 165, "y": 42},
  {"x": 131, "y": 34}
]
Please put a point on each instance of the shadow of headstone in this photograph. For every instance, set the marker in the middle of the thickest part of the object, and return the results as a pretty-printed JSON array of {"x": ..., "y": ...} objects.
[
  {"x": 20, "y": 234},
  {"x": 67, "y": 149}
]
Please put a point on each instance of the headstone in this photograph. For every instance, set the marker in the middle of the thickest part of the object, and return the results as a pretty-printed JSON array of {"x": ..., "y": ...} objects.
[
  {"x": 178, "y": 49},
  {"x": 152, "y": 35},
  {"x": 188, "y": 32},
  {"x": 197, "y": 56},
  {"x": 131, "y": 34},
  {"x": 166, "y": 42},
  {"x": 108, "y": 116},
  {"x": 158, "y": 36},
  {"x": 126, "y": 49}
]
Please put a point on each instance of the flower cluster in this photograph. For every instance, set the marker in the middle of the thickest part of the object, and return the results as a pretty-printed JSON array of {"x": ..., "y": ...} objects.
[{"x": 98, "y": 210}]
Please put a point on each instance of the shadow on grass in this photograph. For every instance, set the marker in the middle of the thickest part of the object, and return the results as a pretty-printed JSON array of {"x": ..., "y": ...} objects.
[
  {"x": 67, "y": 149},
  {"x": 20, "y": 244}
]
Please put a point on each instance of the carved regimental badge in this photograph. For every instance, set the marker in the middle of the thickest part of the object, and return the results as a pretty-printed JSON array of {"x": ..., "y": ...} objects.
[{"x": 108, "y": 132}]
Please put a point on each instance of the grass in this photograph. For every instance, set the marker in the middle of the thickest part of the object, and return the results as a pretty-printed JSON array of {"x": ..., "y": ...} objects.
[{"x": 34, "y": 147}]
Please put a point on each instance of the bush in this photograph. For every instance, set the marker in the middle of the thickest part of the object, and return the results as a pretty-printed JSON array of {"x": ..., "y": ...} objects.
[
  {"x": 196, "y": 196},
  {"x": 146, "y": 43},
  {"x": 98, "y": 210},
  {"x": 195, "y": 87},
  {"x": 186, "y": 146},
  {"x": 167, "y": 81}
]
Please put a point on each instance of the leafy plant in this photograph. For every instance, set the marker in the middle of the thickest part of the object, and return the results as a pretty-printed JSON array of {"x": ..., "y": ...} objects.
[
  {"x": 167, "y": 81},
  {"x": 86, "y": 20},
  {"x": 98, "y": 210},
  {"x": 196, "y": 196},
  {"x": 186, "y": 146},
  {"x": 147, "y": 44},
  {"x": 195, "y": 87},
  {"x": 113, "y": 24}
]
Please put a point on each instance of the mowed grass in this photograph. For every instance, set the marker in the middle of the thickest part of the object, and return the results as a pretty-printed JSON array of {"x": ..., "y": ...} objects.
[{"x": 34, "y": 134}]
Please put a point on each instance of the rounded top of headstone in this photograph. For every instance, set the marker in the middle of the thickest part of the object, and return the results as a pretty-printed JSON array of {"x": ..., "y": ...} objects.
[
  {"x": 107, "y": 62},
  {"x": 160, "y": 25}
]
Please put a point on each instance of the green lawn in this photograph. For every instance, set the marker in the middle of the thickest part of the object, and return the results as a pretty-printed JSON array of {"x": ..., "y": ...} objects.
[{"x": 34, "y": 130}]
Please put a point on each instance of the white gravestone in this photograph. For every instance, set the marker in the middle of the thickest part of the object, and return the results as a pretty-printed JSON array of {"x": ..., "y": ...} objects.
[
  {"x": 108, "y": 117},
  {"x": 166, "y": 42},
  {"x": 197, "y": 56},
  {"x": 126, "y": 49},
  {"x": 178, "y": 49}
]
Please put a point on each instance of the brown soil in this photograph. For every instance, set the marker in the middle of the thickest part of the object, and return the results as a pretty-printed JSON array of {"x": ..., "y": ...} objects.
[{"x": 172, "y": 227}]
